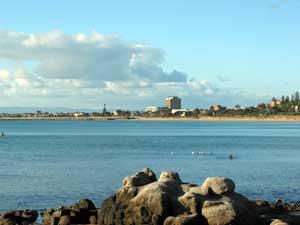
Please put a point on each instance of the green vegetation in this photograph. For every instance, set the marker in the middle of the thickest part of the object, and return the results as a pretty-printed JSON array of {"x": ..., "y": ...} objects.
[{"x": 286, "y": 106}]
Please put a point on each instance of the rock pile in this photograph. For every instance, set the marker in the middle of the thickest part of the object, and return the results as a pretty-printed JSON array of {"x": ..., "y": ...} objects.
[
  {"x": 82, "y": 212},
  {"x": 143, "y": 199},
  {"x": 19, "y": 217},
  {"x": 277, "y": 213}
]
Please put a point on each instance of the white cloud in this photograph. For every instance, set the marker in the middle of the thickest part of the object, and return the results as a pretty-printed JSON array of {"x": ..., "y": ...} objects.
[
  {"x": 81, "y": 56},
  {"x": 56, "y": 69},
  {"x": 4, "y": 74}
]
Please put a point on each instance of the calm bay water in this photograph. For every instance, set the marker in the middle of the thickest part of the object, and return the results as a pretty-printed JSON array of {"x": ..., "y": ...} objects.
[{"x": 49, "y": 163}]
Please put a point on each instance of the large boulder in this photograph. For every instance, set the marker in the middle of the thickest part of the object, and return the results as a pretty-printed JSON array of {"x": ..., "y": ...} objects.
[
  {"x": 141, "y": 178},
  {"x": 84, "y": 204},
  {"x": 169, "y": 175},
  {"x": 218, "y": 186},
  {"x": 233, "y": 209},
  {"x": 168, "y": 201}
]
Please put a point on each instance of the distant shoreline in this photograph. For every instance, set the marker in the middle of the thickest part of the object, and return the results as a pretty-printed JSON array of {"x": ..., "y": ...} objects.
[
  {"x": 204, "y": 118},
  {"x": 223, "y": 118}
]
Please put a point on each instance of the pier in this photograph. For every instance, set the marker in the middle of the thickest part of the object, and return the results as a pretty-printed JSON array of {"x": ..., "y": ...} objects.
[{"x": 66, "y": 118}]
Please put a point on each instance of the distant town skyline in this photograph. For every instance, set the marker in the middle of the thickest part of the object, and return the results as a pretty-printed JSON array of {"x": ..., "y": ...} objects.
[{"x": 133, "y": 54}]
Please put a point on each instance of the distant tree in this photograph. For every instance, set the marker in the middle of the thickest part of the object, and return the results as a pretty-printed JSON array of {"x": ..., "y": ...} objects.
[
  {"x": 297, "y": 97},
  {"x": 189, "y": 113},
  {"x": 283, "y": 99},
  {"x": 126, "y": 113},
  {"x": 292, "y": 98},
  {"x": 287, "y": 99},
  {"x": 261, "y": 106},
  {"x": 165, "y": 112},
  {"x": 238, "y": 107},
  {"x": 137, "y": 113},
  {"x": 196, "y": 112}
]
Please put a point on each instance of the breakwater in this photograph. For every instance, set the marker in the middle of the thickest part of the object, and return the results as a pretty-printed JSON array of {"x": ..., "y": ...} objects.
[{"x": 65, "y": 118}]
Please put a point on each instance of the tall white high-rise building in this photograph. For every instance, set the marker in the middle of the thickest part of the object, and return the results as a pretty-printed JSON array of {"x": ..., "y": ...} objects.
[{"x": 173, "y": 102}]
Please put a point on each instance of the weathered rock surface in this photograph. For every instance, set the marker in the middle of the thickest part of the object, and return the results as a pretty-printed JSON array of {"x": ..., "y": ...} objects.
[
  {"x": 169, "y": 201},
  {"x": 278, "y": 222},
  {"x": 278, "y": 213},
  {"x": 20, "y": 217},
  {"x": 82, "y": 212}
]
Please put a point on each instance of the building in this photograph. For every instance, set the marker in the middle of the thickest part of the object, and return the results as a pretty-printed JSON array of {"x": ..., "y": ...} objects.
[
  {"x": 180, "y": 112},
  {"x": 78, "y": 114},
  {"x": 117, "y": 112},
  {"x": 173, "y": 102},
  {"x": 217, "y": 108},
  {"x": 154, "y": 109},
  {"x": 275, "y": 103}
]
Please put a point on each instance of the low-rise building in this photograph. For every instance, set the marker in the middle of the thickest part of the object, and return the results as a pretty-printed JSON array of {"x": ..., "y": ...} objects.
[
  {"x": 181, "y": 112},
  {"x": 275, "y": 103},
  {"x": 154, "y": 109},
  {"x": 117, "y": 113},
  {"x": 78, "y": 114},
  {"x": 217, "y": 108}
]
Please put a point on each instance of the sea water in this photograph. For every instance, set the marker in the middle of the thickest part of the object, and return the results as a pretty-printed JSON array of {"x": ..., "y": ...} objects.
[{"x": 45, "y": 164}]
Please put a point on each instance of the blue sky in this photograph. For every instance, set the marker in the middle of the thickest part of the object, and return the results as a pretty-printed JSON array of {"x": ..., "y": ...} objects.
[{"x": 244, "y": 51}]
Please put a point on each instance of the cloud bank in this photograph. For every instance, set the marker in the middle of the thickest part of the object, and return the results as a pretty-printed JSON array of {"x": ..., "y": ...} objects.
[{"x": 85, "y": 70}]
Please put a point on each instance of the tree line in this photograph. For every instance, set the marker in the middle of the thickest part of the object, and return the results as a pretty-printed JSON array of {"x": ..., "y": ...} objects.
[{"x": 294, "y": 98}]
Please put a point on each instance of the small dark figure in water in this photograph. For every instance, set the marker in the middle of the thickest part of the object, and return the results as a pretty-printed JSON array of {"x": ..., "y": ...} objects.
[
  {"x": 230, "y": 156},
  {"x": 2, "y": 134}
]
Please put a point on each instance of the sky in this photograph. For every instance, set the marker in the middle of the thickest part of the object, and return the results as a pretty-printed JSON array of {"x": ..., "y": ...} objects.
[{"x": 130, "y": 54}]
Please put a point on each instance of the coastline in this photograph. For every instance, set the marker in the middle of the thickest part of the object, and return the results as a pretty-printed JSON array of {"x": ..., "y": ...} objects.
[
  {"x": 223, "y": 118},
  {"x": 204, "y": 118}
]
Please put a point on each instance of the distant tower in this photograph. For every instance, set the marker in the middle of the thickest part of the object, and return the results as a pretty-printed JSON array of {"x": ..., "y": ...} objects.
[{"x": 104, "y": 109}]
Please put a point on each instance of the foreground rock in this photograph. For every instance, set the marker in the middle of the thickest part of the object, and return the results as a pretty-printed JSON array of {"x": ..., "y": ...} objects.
[
  {"x": 144, "y": 200},
  {"x": 22, "y": 217}
]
